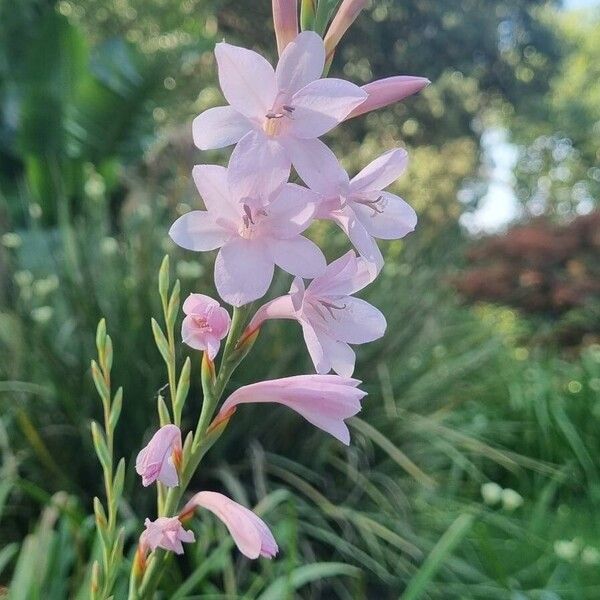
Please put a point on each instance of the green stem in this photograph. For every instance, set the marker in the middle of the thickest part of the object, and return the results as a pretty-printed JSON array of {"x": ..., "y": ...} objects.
[{"x": 213, "y": 388}]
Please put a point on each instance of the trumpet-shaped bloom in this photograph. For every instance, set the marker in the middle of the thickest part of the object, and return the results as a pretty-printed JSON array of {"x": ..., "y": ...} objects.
[
  {"x": 345, "y": 16},
  {"x": 157, "y": 460},
  {"x": 285, "y": 22},
  {"x": 389, "y": 90},
  {"x": 250, "y": 533},
  {"x": 256, "y": 223},
  {"x": 205, "y": 325},
  {"x": 360, "y": 206},
  {"x": 166, "y": 533},
  {"x": 276, "y": 115},
  {"x": 331, "y": 318},
  {"x": 323, "y": 400}
]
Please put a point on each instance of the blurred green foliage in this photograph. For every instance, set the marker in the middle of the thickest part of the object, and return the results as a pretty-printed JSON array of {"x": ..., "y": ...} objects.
[{"x": 96, "y": 97}]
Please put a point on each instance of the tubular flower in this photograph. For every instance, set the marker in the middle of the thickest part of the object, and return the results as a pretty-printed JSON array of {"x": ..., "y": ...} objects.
[
  {"x": 205, "y": 325},
  {"x": 345, "y": 16},
  {"x": 277, "y": 115},
  {"x": 255, "y": 228},
  {"x": 383, "y": 92},
  {"x": 285, "y": 21},
  {"x": 166, "y": 533},
  {"x": 157, "y": 461},
  {"x": 330, "y": 317},
  {"x": 323, "y": 400},
  {"x": 250, "y": 533},
  {"x": 360, "y": 206}
]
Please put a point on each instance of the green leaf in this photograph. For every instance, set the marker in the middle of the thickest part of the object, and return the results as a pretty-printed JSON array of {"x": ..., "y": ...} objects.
[
  {"x": 173, "y": 308},
  {"x": 101, "y": 447},
  {"x": 307, "y": 574},
  {"x": 115, "y": 409},
  {"x": 431, "y": 565},
  {"x": 163, "y": 279},
  {"x": 101, "y": 336},
  {"x": 119, "y": 480},
  {"x": 183, "y": 386},
  {"x": 161, "y": 341},
  {"x": 100, "y": 514},
  {"x": 163, "y": 412},
  {"x": 100, "y": 383},
  {"x": 308, "y": 11}
]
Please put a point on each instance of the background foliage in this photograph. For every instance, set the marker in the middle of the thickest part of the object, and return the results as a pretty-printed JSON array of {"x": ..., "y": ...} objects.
[{"x": 474, "y": 469}]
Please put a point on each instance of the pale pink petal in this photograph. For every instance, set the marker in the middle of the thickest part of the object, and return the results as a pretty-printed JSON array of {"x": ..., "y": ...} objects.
[
  {"x": 344, "y": 276},
  {"x": 397, "y": 219},
  {"x": 219, "y": 127},
  {"x": 291, "y": 211},
  {"x": 357, "y": 323},
  {"x": 359, "y": 236},
  {"x": 285, "y": 21},
  {"x": 211, "y": 182},
  {"x": 243, "y": 272},
  {"x": 323, "y": 400},
  {"x": 279, "y": 308},
  {"x": 168, "y": 474},
  {"x": 322, "y": 104},
  {"x": 296, "y": 292},
  {"x": 150, "y": 461},
  {"x": 247, "y": 80},
  {"x": 198, "y": 304},
  {"x": 341, "y": 357},
  {"x": 166, "y": 533},
  {"x": 301, "y": 62},
  {"x": 384, "y": 92},
  {"x": 199, "y": 231},
  {"x": 345, "y": 16},
  {"x": 314, "y": 347},
  {"x": 317, "y": 166},
  {"x": 250, "y": 533},
  {"x": 380, "y": 173},
  {"x": 257, "y": 167},
  {"x": 298, "y": 256}
]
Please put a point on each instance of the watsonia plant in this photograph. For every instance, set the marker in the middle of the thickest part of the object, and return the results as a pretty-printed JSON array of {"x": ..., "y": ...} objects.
[{"x": 255, "y": 218}]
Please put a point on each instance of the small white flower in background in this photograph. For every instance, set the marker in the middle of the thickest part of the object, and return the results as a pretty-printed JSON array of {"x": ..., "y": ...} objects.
[
  {"x": 109, "y": 246},
  {"x": 491, "y": 493},
  {"x": 23, "y": 278},
  {"x": 590, "y": 556},
  {"x": 565, "y": 549},
  {"x": 11, "y": 240},
  {"x": 45, "y": 286},
  {"x": 35, "y": 210},
  {"x": 511, "y": 500},
  {"x": 189, "y": 269},
  {"x": 94, "y": 186},
  {"x": 42, "y": 314}
]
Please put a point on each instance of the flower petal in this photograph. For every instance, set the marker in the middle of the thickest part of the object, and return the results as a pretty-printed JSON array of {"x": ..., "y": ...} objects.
[
  {"x": 343, "y": 277},
  {"x": 257, "y": 167},
  {"x": 298, "y": 256},
  {"x": 211, "y": 182},
  {"x": 291, "y": 211},
  {"x": 397, "y": 219},
  {"x": 362, "y": 240},
  {"x": 380, "y": 173},
  {"x": 247, "y": 80},
  {"x": 384, "y": 92},
  {"x": 302, "y": 61},
  {"x": 198, "y": 231},
  {"x": 243, "y": 271},
  {"x": 342, "y": 360},
  {"x": 317, "y": 166},
  {"x": 322, "y": 104},
  {"x": 357, "y": 323},
  {"x": 219, "y": 127}
]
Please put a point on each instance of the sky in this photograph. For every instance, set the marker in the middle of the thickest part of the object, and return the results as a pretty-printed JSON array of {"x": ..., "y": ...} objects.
[{"x": 499, "y": 206}]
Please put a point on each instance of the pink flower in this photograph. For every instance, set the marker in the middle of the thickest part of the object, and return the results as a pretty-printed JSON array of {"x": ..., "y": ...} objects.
[
  {"x": 323, "y": 400},
  {"x": 157, "y": 461},
  {"x": 249, "y": 532},
  {"x": 205, "y": 325},
  {"x": 384, "y": 92},
  {"x": 345, "y": 16},
  {"x": 256, "y": 223},
  {"x": 285, "y": 20},
  {"x": 360, "y": 207},
  {"x": 166, "y": 533},
  {"x": 276, "y": 116},
  {"x": 330, "y": 317}
]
